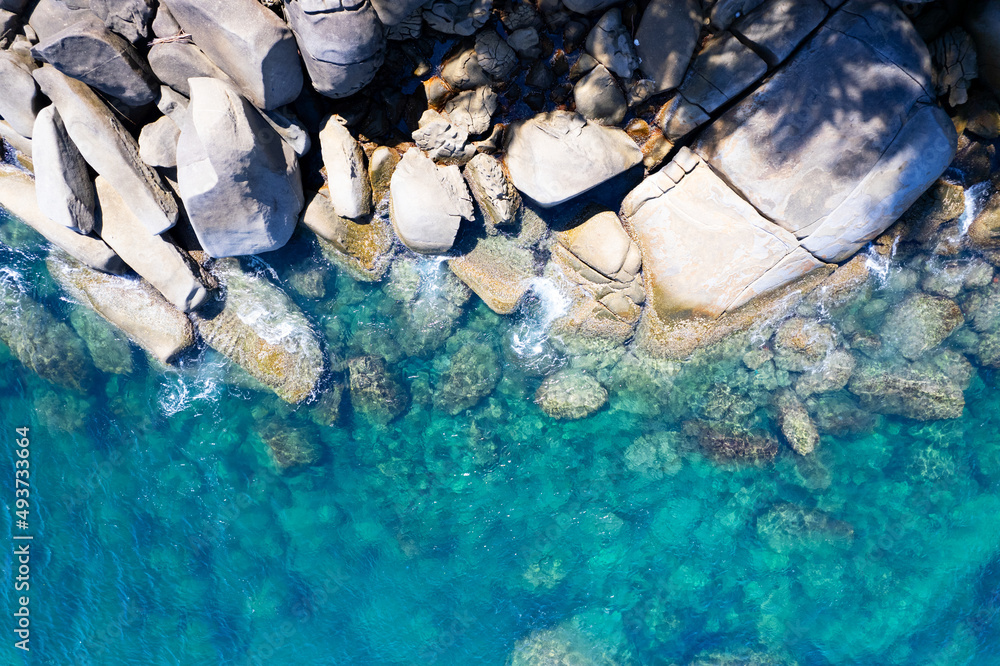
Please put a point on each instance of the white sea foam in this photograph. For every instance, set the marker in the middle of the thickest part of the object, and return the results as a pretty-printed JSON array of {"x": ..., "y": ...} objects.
[{"x": 975, "y": 197}]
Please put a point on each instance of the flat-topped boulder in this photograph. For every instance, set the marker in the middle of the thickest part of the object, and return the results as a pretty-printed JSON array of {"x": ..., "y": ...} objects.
[
  {"x": 667, "y": 35},
  {"x": 238, "y": 179},
  {"x": 705, "y": 250},
  {"x": 109, "y": 148},
  {"x": 129, "y": 303},
  {"x": 844, "y": 138},
  {"x": 557, "y": 156},
  {"x": 89, "y": 52},
  {"x": 342, "y": 43},
  {"x": 168, "y": 268},
  {"x": 258, "y": 327},
  {"x": 248, "y": 42},
  {"x": 18, "y": 196},
  {"x": 174, "y": 63},
  {"x": 428, "y": 203}
]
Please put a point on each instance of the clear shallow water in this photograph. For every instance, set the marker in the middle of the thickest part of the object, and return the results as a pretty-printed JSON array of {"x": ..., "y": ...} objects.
[{"x": 164, "y": 535}]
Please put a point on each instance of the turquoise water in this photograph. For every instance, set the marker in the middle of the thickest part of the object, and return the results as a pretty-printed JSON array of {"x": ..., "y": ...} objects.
[{"x": 164, "y": 534}]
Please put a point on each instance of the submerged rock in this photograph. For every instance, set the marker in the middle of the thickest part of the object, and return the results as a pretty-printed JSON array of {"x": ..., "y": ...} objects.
[
  {"x": 570, "y": 394},
  {"x": 727, "y": 444},
  {"x": 44, "y": 344},
  {"x": 921, "y": 323},
  {"x": 258, "y": 327},
  {"x": 469, "y": 374},
  {"x": 364, "y": 248},
  {"x": 923, "y": 391},
  {"x": 130, "y": 304},
  {"x": 795, "y": 424},
  {"x": 288, "y": 447},
  {"x": 110, "y": 353},
  {"x": 374, "y": 391}
]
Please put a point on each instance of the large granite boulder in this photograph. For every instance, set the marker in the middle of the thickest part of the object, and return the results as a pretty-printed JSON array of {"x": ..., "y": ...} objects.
[
  {"x": 498, "y": 271},
  {"x": 706, "y": 250},
  {"x": 62, "y": 178},
  {"x": 21, "y": 100},
  {"x": 174, "y": 63},
  {"x": 258, "y": 327},
  {"x": 109, "y": 148},
  {"x": 667, "y": 35},
  {"x": 91, "y": 53},
  {"x": 132, "y": 19},
  {"x": 47, "y": 17},
  {"x": 342, "y": 43},
  {"x": 18, "y": 196},
  {"x": 428, "y": 203},
  {"x": 836, "y": 163},
  {"x": 249, "y": 43},
  {"x": 497, "y": 197},
  {"x": 239, "y": 181},
  {"x": 168, "y": 268},
  {"x": 350, "y": 189},
  {"x": 131, "y": 304},
  {"x": 394, "y": 12},
  {"x": 556, "y": 156},
  {"x": 610, "y": 43}
]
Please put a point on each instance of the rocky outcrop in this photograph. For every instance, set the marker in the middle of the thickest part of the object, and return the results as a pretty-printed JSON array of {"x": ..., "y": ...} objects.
[
  {"x": 175, "y": 62},
  {"x": 238, "y": 180},
  {"x": 169, "y": 269},
  {"x": 130, "y": 304},
  {"x": 597, "y": 265},
  {"x": 342, "y": 43},
  {"x": 796, "y": 425},
  {"x": 610, "y": 43},
  {"x": 557, "y": 156},
  {"x": 930, "y": 389},
  {"x": 428, "y": 203},
  {"x": 248, "y": 42},
  {"x": 794, "y": 170},
  {"x": 258, "y": 327},
  {"x": 61, "y": 175},
  {"x": 599, "y": 98},
  {"x": 109, "y": 149},
  {"x": 18, "y": 194}
]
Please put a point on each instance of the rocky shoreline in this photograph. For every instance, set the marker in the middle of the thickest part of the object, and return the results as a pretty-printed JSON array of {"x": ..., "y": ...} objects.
[{"x": 689, "y": 176}]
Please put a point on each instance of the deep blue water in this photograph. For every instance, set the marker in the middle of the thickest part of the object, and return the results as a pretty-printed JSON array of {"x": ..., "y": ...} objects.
[{"x": 163, "y": 534}]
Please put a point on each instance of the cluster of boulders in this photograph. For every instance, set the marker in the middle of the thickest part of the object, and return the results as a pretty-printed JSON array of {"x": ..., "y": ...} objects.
[{"x": 673, "y": 167}]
